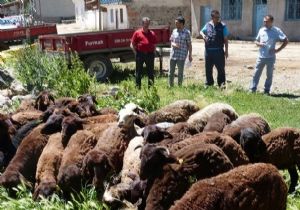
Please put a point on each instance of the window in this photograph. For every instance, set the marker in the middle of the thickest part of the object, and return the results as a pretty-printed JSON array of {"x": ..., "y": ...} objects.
[
  {"x": 292, "y": 10},
  {"x": 111, "y": 15},
  {"x": 121, "y": 15},
  {"x": 231, "y": 9}
]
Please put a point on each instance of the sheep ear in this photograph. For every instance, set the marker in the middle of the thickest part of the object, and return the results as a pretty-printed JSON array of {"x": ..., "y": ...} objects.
[{"x": 166, "y": 153}]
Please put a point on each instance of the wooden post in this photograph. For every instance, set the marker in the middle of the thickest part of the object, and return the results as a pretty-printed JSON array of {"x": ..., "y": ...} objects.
[{"x": 100, "y": 19}]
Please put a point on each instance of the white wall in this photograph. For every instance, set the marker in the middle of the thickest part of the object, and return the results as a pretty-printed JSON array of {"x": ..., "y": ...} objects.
[
  {"x": 89, "y": 20},
  {"x": 55, "y": 8}
]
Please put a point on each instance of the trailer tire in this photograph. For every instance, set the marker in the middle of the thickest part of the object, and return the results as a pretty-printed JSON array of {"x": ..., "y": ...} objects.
[{"x": 98, "y": 66}]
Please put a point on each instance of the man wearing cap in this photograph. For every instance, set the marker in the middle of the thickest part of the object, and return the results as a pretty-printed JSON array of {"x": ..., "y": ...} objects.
[
  {"x": 181, "y": 46},
  {"x": 215, "y": 35},
  {"x": 143, "y": 44}
]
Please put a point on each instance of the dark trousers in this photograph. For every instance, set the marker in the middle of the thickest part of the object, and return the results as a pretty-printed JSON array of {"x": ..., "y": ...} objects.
[
  {"x": 140, "y": 59},
  {"x": 217, "y": 58}
]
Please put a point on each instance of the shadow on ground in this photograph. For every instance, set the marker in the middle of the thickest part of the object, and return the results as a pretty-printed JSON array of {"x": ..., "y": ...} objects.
[{"x": 285, "y": 95}]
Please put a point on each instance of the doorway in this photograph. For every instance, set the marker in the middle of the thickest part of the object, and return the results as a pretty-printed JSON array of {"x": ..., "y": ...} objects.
[
  {"x": 204, "y": 15},
  {"x": 260, "y": 9}
]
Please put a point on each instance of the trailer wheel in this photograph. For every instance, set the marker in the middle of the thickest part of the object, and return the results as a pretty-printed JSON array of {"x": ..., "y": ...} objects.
[{"x": 99, "y": 66}]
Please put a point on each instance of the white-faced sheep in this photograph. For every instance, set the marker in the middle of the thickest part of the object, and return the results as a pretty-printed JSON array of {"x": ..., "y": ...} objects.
[
  {"x": 171, "y": 181},
  {"x": 47, "y": 167},
  {"x": 115, "y": 194},
  {"x": 252, "y": 120},
  {"x": 108, "y": 154},
  {"x": 258, "y": 186},
  {"x": 200, "y": 118},
  {"x": 282, "y": 149}
]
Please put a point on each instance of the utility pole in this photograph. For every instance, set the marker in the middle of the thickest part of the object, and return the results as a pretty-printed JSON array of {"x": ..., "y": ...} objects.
[{"x": 100, "y": 18}]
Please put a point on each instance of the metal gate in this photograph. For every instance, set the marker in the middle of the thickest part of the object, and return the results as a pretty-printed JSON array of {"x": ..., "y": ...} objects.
[{"x": 260, "y": 10}]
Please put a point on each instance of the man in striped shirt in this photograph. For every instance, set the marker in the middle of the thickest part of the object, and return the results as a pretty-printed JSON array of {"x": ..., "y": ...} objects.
[{"x": 181, "y": 46}]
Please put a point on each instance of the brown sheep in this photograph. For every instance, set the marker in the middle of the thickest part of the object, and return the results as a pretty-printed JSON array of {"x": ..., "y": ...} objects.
[
  {"x": 85, "y": 106},
  {"x": 7, "y": 148},
  {"x": 178, "y": 111},
  {"x": 21, "y": 118},
  {"x": 24, "y": 163},
  {"x": 171, "y": 181},
  {"x": 69, "y": 176},
  {"x": 231, "y": 148},
  {"x": 47, "y": 167},
  {"x": 199, "y": 119},
  {"x": 169, "y": 136},
  {"x": 282, "y": 150},
  {"x": 258, "y": 186},
  {"x": 71, "y": 124},
  {"x": 43, "y": 100},
  {"x": 252, "y": 120},
  {"x": 108, "y": 154},
  {"x": 217, "y": 122}
]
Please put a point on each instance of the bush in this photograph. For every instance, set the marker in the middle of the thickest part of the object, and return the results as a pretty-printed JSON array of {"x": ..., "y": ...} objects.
[
  {"x": 39, "y": 71},
  {"x": 146, "y": 98}
]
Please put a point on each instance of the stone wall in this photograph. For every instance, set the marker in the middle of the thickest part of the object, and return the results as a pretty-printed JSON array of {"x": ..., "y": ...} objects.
[{"x": 159, "y": 12}]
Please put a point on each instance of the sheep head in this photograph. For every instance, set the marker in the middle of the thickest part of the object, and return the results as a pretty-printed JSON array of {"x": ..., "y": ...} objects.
[
  {"x": 43, "y": 100},
  {"x": 70, "y": 125},
  {"x": 53, "y": 124},
  {"x": 96, "y": 165},
  {"x": 153, "y": 134},
  {"x": 44, "y": 189},
  {"x": 126, "y": 118},
  {"x": 153, "y": 158},
  {"x": 252, "y": 143}
]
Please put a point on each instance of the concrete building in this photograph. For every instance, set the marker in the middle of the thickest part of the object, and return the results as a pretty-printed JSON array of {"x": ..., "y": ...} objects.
[
  {"x": 43, "y": 10},
  {"x": 245, "y": 17},
  {"x": 118, "y": 14}
]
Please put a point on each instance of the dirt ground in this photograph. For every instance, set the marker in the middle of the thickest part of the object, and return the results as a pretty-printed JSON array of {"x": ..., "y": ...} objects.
[{"x": 241, "y": 62}]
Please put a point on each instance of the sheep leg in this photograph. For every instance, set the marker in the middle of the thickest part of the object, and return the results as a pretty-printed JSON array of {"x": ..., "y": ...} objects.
[{"x": 294, "y": 178}]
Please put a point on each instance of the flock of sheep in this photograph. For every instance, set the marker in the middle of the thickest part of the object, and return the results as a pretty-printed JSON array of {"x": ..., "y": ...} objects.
[{"x": 178, "y": 157}]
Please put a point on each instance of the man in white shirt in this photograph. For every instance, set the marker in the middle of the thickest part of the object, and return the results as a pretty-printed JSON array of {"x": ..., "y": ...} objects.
[{"x": 266, "y": 40}]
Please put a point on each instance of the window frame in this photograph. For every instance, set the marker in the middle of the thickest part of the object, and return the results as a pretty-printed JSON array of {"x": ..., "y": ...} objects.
[
  {"x": 293, "y": 6},
  {"x": 226, "y": 7}
]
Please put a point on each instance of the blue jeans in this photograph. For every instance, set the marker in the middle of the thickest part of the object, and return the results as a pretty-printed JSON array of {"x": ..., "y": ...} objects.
[
  {"x": 180, "y": 66},
  {"x": 260, "y": 64}
]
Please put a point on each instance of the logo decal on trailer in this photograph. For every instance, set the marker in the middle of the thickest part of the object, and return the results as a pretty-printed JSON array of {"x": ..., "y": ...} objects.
[{"x": 93, "y": 43}]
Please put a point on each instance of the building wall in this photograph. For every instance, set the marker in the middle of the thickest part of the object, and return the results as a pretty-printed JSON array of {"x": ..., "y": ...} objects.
[
  {"x": 243, "y": 28},
  {"x": 160, "y": 12},
  {"x": 55, "y": 10},
  {"x": 89, "y": 19}
]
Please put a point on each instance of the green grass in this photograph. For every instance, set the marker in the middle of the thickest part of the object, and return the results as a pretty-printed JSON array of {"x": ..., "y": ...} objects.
[{"x": 279, "y": 110}]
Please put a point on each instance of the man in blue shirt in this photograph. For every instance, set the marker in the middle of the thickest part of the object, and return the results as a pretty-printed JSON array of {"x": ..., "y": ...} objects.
[
  {"x": 266, "y": 40},
  {"x": 181, "y": 46},
  {"x": 215, "y": 35}
]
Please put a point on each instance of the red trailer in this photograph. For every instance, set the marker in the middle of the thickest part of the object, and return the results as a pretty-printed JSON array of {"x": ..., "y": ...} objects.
[
  {"x": 26, "y": 32},
  {"x": 96, "y": 48}
]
